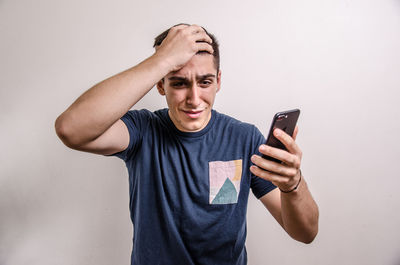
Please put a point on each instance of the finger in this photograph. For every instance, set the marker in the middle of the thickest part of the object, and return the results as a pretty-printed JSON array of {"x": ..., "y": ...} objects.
[
  {"x": 277, "y": 153},
  {"x": 282, "y": 155},
  {"x": 203, "y": 38},
  {"x": 200, "y": 34},
  {"x": 196, "y": 27},
  {"x": 207, "y": 37},
  {"x": 296, "y": 130},
  {"x": 275, "y": 179},
  {"x": 180, "y": 26},
  {"x": 204, "y": 46},
  {"x": 176, "y": 29},
  {"x": 284, "y": 183},
  {"x": 173, "y": 31},
  {"x": 287, "y": 141},
  {"x": 195, "y": 31},
  {"x": 274, "y": 167},
  {"x": 184, "y": 29}
]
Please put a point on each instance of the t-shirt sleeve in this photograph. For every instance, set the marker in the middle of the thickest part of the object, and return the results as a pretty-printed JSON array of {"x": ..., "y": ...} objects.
[
  {"x": 259, "y": 186},
  {"x": 135, "y": 121}
]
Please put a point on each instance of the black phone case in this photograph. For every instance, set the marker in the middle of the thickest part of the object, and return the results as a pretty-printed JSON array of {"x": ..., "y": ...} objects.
[{"x": 286, "y": 121}]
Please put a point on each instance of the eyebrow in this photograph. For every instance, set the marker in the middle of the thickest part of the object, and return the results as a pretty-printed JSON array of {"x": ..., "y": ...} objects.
[{"x": 198, "y": 77}]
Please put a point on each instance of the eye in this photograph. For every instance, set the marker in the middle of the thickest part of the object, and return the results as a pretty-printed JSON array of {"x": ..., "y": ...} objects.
[
  {"x": 178, "y": 84},
  {"x": 205, "y": 83}
]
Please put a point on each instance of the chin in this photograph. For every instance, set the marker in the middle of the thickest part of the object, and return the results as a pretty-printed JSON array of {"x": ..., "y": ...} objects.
[
  {"x": 187, "y": 124},
  {"x": 192, "y": 127}
]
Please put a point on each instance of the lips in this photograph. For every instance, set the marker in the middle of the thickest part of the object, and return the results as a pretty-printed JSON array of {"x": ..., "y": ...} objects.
[{"x": 193, "y": 114}]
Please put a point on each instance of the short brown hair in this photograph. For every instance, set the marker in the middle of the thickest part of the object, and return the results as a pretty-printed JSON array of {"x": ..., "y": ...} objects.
[{"x": 159, "y": 39}]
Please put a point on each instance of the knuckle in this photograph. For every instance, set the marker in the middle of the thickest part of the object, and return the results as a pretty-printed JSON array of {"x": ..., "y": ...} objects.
[
  {"x": 290, "y": 159},
  {"x": 264, "y": 164},
  {"x": 263, "y": 174},
  {"x": 259, "y": 172},
  {"x": 293, "y": 160},
  {"x": 292, "y": 172},
  {"x": 178, "y": 29},
  {"x": 285, "y": 181},
  {"x": 285, "y": 136},
  {"x": 180, "y": 32},
  {"x": 264, "y": 149},
  {"x": 290, "y": 143},
  {"x": 255, "y": 159},
  {"x": 280, "y": 170},
  {"x": 297, "y": 162}
]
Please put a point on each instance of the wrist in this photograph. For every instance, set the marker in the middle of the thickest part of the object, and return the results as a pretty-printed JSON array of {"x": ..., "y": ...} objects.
[
  {"x": 163, "y": 61},
  {"x": 294, "y": 188}
]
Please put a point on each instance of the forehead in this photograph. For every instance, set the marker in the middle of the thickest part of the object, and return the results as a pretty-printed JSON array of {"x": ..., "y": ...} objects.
[{"x": 200, "y": 64}]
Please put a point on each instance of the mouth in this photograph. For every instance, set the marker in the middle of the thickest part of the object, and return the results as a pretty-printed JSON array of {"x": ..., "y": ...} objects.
[{"x": 193, "y": 114}]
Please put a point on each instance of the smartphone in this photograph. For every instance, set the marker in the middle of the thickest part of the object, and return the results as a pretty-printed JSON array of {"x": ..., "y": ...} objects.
[{"x": 286, "y": 121}]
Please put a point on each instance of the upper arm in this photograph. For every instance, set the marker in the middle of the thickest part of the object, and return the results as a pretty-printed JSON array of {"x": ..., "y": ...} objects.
[
  {"x": 272, "y": 201},
  {"x": 115, "y": 139}
]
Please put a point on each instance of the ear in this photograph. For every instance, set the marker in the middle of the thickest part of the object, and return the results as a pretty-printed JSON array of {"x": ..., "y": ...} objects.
[
  {"x": 219, "y": 80},
  {"x": 160, "y": 87}
]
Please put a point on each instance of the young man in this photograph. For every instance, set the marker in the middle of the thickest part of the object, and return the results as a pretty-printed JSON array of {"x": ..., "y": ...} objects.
[{"x": 190, "y": 167}]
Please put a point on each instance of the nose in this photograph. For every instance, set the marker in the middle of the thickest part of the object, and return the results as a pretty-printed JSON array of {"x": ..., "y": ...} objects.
[{"x": 193, "y": 95}]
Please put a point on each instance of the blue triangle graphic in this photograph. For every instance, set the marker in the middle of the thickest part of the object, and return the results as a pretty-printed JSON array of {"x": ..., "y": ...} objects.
[{"x": 227, "y": 193}]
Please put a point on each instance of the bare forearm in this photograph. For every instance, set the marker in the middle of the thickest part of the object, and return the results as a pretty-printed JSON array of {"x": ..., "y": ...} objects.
[
  {"x": 103, "y": 104},
  {"x": 300, "y": 214}
]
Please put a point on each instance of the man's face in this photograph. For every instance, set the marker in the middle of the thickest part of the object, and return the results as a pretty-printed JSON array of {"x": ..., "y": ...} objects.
[{"x": 190, "y": 93}]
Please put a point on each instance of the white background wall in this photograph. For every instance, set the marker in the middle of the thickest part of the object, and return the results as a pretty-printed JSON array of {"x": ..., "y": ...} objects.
[{"x": 336, "y": 60}]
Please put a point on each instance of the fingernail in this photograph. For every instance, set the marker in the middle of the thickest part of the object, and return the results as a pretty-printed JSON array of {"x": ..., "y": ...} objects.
[
  {"x": 277, "y": 132},
  {"x": 264, "y": 148},
  {"x": 253, "y": 158}
]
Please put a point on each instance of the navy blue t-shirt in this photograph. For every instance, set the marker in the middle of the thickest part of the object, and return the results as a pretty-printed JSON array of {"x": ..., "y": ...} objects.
[{"x": 189, "y": 191}]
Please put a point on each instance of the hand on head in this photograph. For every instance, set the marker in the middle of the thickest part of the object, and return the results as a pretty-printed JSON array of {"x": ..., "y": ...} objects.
[{"x": 182, "y": 43}]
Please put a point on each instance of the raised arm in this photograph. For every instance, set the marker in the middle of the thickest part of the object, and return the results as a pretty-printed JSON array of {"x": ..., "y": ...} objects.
[{"x": 92, "y": 123}]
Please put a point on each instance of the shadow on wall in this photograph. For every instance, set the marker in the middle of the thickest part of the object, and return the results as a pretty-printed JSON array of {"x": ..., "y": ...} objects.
[{"x": 63, "y": 202}]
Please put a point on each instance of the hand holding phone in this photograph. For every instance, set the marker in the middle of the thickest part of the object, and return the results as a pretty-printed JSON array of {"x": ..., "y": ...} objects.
[{"x": 286, "y": 121}]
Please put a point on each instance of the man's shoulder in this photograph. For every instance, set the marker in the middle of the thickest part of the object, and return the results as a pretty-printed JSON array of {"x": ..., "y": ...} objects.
[
  {"x": 231, "y": 121},
  {"x": 147, "y": 111},
  {"x": 235, "y": 128},
  {"x": 146, "y": 114},
  {"x": 143, "y": 119}
]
